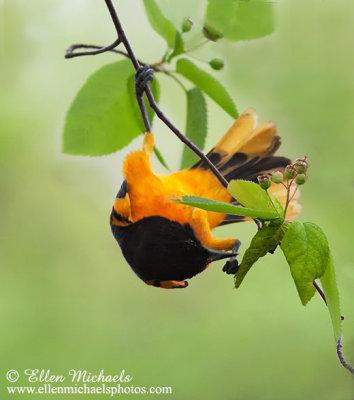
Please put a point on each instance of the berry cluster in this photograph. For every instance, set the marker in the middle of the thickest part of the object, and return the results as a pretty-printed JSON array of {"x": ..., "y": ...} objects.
[{"x": 293, "y": 172}]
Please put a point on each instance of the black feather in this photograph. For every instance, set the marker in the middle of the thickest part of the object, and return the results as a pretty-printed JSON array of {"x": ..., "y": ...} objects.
[{"x": 160, "y": 249}]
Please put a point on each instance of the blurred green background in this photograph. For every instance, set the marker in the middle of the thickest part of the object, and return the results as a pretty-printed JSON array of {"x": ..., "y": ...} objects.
[{"x": 69, "y": 300}]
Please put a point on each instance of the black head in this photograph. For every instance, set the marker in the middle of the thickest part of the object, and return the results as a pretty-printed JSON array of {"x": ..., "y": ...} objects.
[{"x": 159, "y": 249}]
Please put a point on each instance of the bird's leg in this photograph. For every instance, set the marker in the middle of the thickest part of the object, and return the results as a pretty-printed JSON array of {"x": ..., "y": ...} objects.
[
  {"x": 201, "y": 227},
  {"x": 232, "y": 266}
]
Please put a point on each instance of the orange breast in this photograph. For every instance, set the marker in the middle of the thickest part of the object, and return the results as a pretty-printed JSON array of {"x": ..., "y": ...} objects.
[{"x": 150, "y": 193}]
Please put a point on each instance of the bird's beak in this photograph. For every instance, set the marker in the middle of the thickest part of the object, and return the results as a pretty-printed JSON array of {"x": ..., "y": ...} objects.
[{"x": 215, "y": 255}]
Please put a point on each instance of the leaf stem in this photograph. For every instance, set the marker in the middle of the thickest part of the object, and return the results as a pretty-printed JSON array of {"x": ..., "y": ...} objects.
[
  {"x": 288, "y": 188},
  {"x": 320, "y": 290},
  {"x": 170, "y": 74},
  {"x": 293, "y": 194},
  {"x": 198, "y": 59},
  {"x": 197, "y": 46}
]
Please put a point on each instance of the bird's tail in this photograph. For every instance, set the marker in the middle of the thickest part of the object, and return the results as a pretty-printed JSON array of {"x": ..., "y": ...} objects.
[{"x": 247, "y": 151}]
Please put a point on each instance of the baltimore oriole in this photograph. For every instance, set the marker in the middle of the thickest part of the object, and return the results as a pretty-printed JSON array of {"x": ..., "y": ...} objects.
[{"x": 166, "y": 243}]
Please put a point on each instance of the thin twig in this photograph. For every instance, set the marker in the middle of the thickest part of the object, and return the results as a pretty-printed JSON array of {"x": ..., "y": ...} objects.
[
  {"x": 144, "y": 114},
  {"x": 288, "y": 188},
  {"x": 153, "y": 104},
  {"x": 70, "y": 51},
  {"x": 341, "y": 357},
  {"x": 293, "y": 193},
  {"x": 121, "y": 34}
]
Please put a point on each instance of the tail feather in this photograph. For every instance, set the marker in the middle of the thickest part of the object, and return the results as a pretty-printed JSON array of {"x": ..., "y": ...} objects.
[
  {"x": 247, "y": 151},
  {"x": 258, "y": 166},
  {"x": 239, "y": 133}
]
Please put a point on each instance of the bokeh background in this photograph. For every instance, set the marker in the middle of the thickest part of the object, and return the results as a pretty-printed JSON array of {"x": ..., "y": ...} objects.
[{"x": 69, "y": 300}]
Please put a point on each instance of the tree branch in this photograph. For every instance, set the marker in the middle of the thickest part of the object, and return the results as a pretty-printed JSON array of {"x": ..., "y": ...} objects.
[
  {"x": 152, "y": 102},
  {"x": 341, "y": 357},
  {"x": 122, "y": 38}
]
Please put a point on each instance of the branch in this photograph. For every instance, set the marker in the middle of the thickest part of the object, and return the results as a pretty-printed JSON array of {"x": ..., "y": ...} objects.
[
  {"x": 341, "y": 357},
  {"x": 152, "y": 102},
  {"x": 70, "y": 51},
  {"x": 122, "y": 38}
]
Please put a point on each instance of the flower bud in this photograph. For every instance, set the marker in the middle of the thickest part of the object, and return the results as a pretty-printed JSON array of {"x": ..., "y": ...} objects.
[
  {"x": 187, "y": 24},
  {"x": 216, "y": 63},
  {"x": 264, "y": 181},
  {"x": 277, "y": 177},
  {"x": 290, "y": 171},
  {"x": 300, "y": 179},
  {"x": 212, "y": 33}
]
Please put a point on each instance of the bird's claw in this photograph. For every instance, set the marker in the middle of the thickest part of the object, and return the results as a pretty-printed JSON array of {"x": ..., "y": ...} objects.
[
  {"x": 143, "y": 76},
  {"x": 232, "y": 266}
]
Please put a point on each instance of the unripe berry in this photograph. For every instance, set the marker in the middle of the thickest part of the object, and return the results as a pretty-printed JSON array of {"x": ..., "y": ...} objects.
[
  {"x": 277, "y": 177},
  {"x": 212, "y": 33},
  {"x": 187, "y": 24},
  {"x": 301, "y": 165},
  {"x": 290, "y": 171},
  {"x": 300, "y": 179},
  {"x": 217, "y": 63},
  {"x": 264, "y": 181}
]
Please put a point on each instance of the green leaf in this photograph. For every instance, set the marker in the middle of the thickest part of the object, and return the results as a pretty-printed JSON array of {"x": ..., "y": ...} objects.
[
  {"x": 329, "y": 284},
  {"x": 196, "y": 127},
  {"x": 306, "y": 250},
  {"x": 178, "y": 47},
  {"x": 208, "y": 84},
  {"x": 251, "y": 195},
  {"x": 225, "y": 208},
  {"x": 264, "y": 240},
  {"x": 101, "y": 118},
  {"x": 160, "y": 23},
  {"x": 155, "y": 87},
  {"x": 241, "y": 20},
  {"x": 160, "y": 157}
]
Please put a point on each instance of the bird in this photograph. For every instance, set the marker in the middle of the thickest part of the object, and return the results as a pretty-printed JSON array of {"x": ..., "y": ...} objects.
[{"x": 166, "y": 243}]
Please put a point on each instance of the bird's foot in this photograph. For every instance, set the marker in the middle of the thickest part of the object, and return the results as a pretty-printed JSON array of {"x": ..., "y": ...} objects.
[
  {"x": 143, "y": 76},
  {"x": 232, "y": 266}
]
